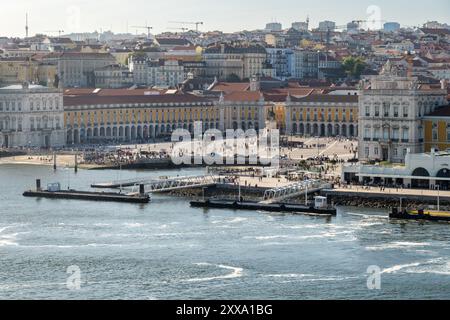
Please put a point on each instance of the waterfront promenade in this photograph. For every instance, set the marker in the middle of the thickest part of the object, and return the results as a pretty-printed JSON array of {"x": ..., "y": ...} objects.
[{"x": 396, "y": 192}]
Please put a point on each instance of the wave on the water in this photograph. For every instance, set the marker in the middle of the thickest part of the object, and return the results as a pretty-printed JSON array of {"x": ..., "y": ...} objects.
[
  {"x": 235, "y": 273},
  {"x": 397, "y": 245},
  {"x": 5, "y": 228},
  {"x": 233, "y": 221},
  {"x": 294, "y": 237},
  {"x": 367, "y": 216},
  {"x": 8, "y": 240},
  {"x": 439, "y": 266},
  {"x": 133, "y": 225},
  {"x": 309, "y": 277},
  {"x": 288, "y": 275}
]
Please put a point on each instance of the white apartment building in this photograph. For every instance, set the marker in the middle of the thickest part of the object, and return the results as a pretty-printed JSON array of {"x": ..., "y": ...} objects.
[
  {"x": 113, "y": 77},
  {"x": 305, "y": 64},
  {"x": 327, "y": 25},
  {"x": 391, "y": 111},
  {"x": 31, "y": 116},
  {"x": 161, "y": 73}
]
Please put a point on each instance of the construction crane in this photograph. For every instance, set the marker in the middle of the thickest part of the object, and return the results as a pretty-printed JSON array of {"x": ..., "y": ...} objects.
[
  {"x": 192, "y": 23},
  {"x": 56, "y": 31},
  {"x": 144, "y": 27}
]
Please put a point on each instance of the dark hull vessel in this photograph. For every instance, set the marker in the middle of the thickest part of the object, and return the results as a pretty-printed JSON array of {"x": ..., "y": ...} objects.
[
  {"x": 424, "y": 215},
  {"x": 235, "y": 205}
]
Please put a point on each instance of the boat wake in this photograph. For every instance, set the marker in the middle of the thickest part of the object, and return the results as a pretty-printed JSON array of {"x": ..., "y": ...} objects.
[{"x": 235, "y": 273}]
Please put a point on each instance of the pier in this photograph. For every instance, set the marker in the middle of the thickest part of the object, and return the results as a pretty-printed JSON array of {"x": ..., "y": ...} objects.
[
  {"x": 294, "y": 190},
  {"x": 54, "y": 192},
  {"x": 162, "y": 185}
]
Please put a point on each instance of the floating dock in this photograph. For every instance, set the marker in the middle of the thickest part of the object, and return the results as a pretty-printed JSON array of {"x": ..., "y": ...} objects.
[
  {"x": 426, "y": 215},
  {"x": 56, "y": 193},
  {"x": 258, "y": 206}
]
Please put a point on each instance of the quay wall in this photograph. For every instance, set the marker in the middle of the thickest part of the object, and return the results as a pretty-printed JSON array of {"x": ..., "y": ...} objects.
[{"x": 377, "y": 200}]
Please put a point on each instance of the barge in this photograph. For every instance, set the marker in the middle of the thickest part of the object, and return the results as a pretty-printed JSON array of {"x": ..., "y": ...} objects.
[
  {"x": 54, "y": 192},
  {"x": 424, "y": 215},
  {"x": 257, "y": 206}
]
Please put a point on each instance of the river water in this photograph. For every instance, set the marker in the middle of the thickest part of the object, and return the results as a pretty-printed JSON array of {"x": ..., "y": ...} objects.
[{"x": 167, "y": 250}]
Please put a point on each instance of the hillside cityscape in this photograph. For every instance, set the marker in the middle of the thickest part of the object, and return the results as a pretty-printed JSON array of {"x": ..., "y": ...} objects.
[{"x": 311, "y": 160}]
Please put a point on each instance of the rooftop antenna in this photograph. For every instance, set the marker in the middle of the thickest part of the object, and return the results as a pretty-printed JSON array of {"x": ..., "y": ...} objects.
[{"x": 26, "y": 25}]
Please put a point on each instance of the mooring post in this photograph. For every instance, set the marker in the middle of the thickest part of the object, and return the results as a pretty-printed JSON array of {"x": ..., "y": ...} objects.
[
  {"x": 54, "y": 160},
  {"x": 141, "y": 189},
  {"x": 76, "y": 162},
  {"x": 38, "y": 184}
]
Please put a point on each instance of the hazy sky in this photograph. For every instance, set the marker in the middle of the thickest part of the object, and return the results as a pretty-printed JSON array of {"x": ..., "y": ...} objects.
[{"x": 226, "y": 15}]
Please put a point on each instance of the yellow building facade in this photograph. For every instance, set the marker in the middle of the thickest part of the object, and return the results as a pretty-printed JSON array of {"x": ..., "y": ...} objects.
[
  {"x": 436, "y": 131},
  {"x": 17, "y": 70},
  {"x": 322, "y": 115},
  {"x": 135, "y": 118}
]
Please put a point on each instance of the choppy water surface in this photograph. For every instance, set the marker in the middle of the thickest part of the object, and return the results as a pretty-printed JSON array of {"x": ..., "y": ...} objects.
[{"x": 167, "y": 250}]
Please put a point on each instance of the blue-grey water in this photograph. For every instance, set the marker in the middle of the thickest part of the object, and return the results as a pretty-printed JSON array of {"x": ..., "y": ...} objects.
[{"x": 167, "y": 250}]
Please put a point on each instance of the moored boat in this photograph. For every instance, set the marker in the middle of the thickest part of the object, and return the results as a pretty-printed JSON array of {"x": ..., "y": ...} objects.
[{"x": 427, "y": 215}]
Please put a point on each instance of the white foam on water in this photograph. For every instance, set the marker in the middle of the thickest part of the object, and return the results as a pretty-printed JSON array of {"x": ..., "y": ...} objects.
[
  {"x": 9, "y": 239},
  {"x": 101, "y": 225},
  {"x": 413, "y": 267},
  {"x": 235, "y": 273},
  {"x": 309, "y": 277},
  {"x": 397, "y": 245},
  {"x": 304, "y": 226},
  {"x": 396, "y": 268},
  {"x": 440, "y": 270},
  {"x": 294, "y": 237},
  {"x": 439, "y": 266},
  {"x": 133, "y": 225},
  {"x": 55, "y": 246},
  {"x": 232, "y": 221},
  {"x": 237, "y": 220},
  {"x": 5, "y": 228},
  {"x": 289, "y": 275}
]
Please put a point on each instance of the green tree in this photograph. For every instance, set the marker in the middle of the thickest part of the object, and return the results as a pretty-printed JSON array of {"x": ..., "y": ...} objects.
[
  {"x": 354, "y": 66},
  {"x": 233, "y": 78}
]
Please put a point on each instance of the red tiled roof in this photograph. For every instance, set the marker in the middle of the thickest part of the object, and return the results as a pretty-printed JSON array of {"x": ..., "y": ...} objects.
[
  {"x": 111, "y": 92},
  {"x": 228, "y": 87},
  {"x": 71, "y": 101},
  {"x": 291, "y": 91},
  {"x": 244, "y": 96},
  {"x": 327, "y": 98}
]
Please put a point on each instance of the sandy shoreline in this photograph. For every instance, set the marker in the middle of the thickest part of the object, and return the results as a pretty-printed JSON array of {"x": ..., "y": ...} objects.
[{"x": 61, "y": 160}]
